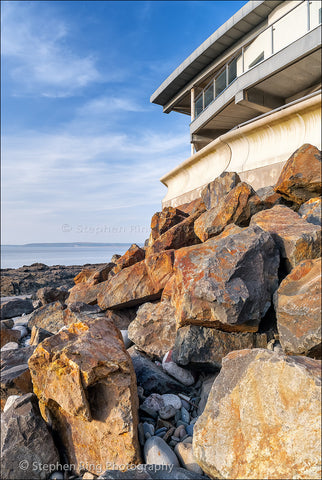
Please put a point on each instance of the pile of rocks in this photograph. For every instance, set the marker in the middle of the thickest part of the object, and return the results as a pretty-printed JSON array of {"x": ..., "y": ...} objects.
[{"x": 196, "y": 355}]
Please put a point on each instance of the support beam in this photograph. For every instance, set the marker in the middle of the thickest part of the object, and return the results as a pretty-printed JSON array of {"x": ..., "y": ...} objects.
[{"x": 258, "y": 100}]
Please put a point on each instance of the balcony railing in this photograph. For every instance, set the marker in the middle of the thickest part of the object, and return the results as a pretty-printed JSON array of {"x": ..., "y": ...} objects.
[{"x": 292, "y": 25}]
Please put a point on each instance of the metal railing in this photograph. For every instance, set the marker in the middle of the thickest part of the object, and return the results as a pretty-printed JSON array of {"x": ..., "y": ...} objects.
[{"x": 308, "y": 15}]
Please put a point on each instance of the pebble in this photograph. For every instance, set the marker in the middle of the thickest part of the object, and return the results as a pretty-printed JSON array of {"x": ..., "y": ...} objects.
[
  {"x": 177, "y": 416},
  {"x": 167, "y": 412},
  {"x": 173, "y": 400},
  {"x": 22, "y": 329},
  {"x": 163, "y": 423},
  {"x": 158, "y": 452},
  {"x": 185, "y": 454},
  {"x": 185, "y": 415},
  {"x": 148, "y": 429},
  {"x": 189, "y": 429},
  {"x": 9, "y": 346},
  {"x": 180, "y": 374},
  {"x": 187, "y": 440},
  {"x": 160, "y": 430},
  {"x": 194, "y": 414},
  {"x": 154, "y": 402},
  {"x": 193, "y": 421},
  {"x": 180, "y": 422},
  {"x": 178, "y": 431},
  {"x": 169, "y": 433},
  {"x": 149, "y": 411},
  {"x": 141, "y": 434},
  {"x": 141, "y": 395},
  {"x": 175, "y": 439}
]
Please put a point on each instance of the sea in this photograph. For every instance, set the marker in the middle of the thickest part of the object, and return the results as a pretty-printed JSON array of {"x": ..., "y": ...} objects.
[{"x": 15, "y": 256}]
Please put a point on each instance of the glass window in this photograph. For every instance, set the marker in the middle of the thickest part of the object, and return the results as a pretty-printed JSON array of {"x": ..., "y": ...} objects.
[
  {"x": 220, "y": 83},
  {"x": 198, "y": 105},
  {"x": 232, "y": 71},
  {"x": 209, "y": 94},
  {"x": 257, "y": 60}
]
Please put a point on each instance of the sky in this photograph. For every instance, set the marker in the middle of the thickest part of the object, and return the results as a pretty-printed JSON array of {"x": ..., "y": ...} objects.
[{"x": 82, "y": 147}]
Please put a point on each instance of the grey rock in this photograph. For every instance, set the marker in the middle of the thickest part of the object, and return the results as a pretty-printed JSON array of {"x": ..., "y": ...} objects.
[
  {"x": 204, "y": 392},
  {"x": 81, "y": 307},
  {"x": 189, "y": 430},
  {"x": 185, "y": 416},
  {"x": 49, "y": 295},
  {"x": 173, "y": 400},
  {"x": 148, "y": 428},
  {"x": 151, "y": 377},
  {"x": 25, "y": 438},
  {"x": 16, "y": 307},
  {"x": 311, "y": 211},
  {"x": 157, "y": 451},
  {"x": 9, "y": 346},
  {"x": 177, "y": 473},
  {"x": 126, "y": 340},
  {"x": 10, "y": 401},
  {"x": 38, "y": 334},
  {"x": 50, "y": 317},
  {"x": 132, "y": 474},
  {"x": 15, "y": 375},
  {"x": 8, "y": 323},
  {"x": 203, "y": 348},
  {"x": 20, "y": 328},
  {"x": 167, "y": 412},
  {"x": 184, "y": 452},
  {"x": 154, "y": 402}
]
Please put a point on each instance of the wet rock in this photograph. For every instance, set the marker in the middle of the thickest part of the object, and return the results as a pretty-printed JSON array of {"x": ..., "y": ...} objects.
[
  {"x": 298, "y": 310},
  {"x": 163, "y": 221},
  {"x": 25, "y": 441},
  {"x": 300, "y": 178},
  {"x": 154, "y": 328},
  {"x": 184, "y": 452},
  {"x": 184, "y": 376},
  {"x": 158, "y": 452},
  {"x": 226, "y": 283},
  {"x": 133, "y": 255},
  {"x": 50, "y": 295},
  {"x": 237, "y": 208},
  {"x": 204, "y": 348},
  {"x": 15, "y": 308},
  {"x": 85, "y": 382},
  {"x": 215, "y": 191},
  {"x": 49, "y": 317},
  {"x": 296, "y": 239},
  {"x": 264, "y": 408},
  {"x": 151, "y": 377},
  {"x": 311, "y": 211},
  {"x": 15, "y": 374}
]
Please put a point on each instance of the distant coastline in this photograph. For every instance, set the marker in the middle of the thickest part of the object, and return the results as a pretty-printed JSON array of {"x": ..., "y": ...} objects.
[{"x": 66, "y": 244}]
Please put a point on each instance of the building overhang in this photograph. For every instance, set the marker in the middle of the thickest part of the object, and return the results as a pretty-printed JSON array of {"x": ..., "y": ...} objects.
[{"x": 254, "y": 13}]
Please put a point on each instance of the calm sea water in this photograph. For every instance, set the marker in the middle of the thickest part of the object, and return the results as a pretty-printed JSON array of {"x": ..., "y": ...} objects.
[{"x": 14, "y": 256}]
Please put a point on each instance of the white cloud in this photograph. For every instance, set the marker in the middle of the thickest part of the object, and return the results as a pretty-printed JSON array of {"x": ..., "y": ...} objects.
[{"x": 35, "y": 52}]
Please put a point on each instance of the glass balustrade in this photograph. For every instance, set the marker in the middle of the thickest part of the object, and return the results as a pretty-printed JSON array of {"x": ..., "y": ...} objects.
[{"x": 285, "y": 30}]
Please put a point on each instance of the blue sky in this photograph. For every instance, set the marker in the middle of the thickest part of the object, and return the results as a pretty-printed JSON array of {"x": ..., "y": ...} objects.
[{"x": 82, "y": 147}]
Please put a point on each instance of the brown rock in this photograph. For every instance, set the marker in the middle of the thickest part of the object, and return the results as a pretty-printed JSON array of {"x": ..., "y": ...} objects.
[
  {"x": 121, "y": 318},
  {"x": 163, "y": 221},
  {"x": 311, "y": 211},
  {"x": 226, "y": 283},
  {"x": 298, "y": 310},
  {"x": 7, "y": 335},
  {"x": 84, "y": 292},
  {"x": 270, "y": 198},
  {"x": 101, "y": 274},
  {"x": 38, "y": 334},
  {"x": 84, "y": 275},
  {"x": 168, "y": 289},
  {"x": 262, "y": 419},
  {"x": 49, "y": 317},
  {"x": 133, "y": 255},
  {"x": 49, "y": 295},
  {"x": 178, "y": 236},
  {"x": 160, "y": 268},
  {"x": 154, "y": 328},
  {"x": 297, "y": 239},
  {"x": 215, "y": 191},
  {"x": 86, "y": 384},
  {"x": 300, "y": 178},
  {"x": 237, "y": 207},
  {"x": 196, "y": 206},
  {"x": 15, "y": 374},
  {"x": 131, "y": 286}
]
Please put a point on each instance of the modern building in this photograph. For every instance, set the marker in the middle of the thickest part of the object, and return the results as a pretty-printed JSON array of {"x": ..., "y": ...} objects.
[{"x": 253, "y": 92}]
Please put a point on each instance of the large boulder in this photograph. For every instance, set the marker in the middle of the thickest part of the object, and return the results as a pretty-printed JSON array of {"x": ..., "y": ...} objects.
[
  {"x": 84, "y": 292},
  {"x": 133, "y": 255},
  {"x": 300, "y": 178},
  {"x": 215, "y": 191},
  {"x": 226, "y": 283},
  {"x": 92, "y": 276},
  {"x": 298, "y": 310},
  {"x": 27, "y": 447},
  {"x": 15, "y": 308},
  {"x": 237, "y": 207},
  {"x": 311, "y": 211},
  {"x": 15, "y": 374},
  {"x": 163, "y": 221},
  {"x": 86, "y": 385},
  {"x": 296, "y": 239},
  {"x": 195, "y": 206},
  {"x": 262, "y": 419},
  {"x": 204, "y": 348},
  {"x": 154, "y": 328},
  {"x": 49, "y": 317},
  {"x": 50, "y": 295},
  {"x": 160, "y": 267}
]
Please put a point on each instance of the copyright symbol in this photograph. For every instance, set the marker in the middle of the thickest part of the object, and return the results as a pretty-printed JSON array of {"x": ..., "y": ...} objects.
[
  {"x": 23, "y": 465},
  {"x": 66, "y": 228}
]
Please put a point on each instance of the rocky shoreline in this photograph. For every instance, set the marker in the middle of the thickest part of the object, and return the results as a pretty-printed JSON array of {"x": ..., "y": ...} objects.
[{"x": 195, "y": 357}]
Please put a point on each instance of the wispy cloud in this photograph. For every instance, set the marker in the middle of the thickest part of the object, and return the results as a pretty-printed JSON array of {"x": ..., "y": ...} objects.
[{"x": 37, "y": 54}]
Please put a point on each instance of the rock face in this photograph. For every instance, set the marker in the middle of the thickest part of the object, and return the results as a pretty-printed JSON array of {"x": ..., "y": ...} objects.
[
  {"x": 262, "y": 419},
  {"x": 49, "y": 317},
  {"x": 237, "y": 207},
  {"x": 15, "y": 374},
  {"x": 25, "y": 442},
  {"x": 214, "y": 192},
  {"x": 204, "y": 348},
  {"x": 133, "y": 255},
  {"x": 154, "y": 328},
  {"x": 86, "y": 386},
  {"x": 311, "y": 211},
  {"x": 15, "y": 308},
  {"x": 226, "y": 283},
  {"x": 297, "y": 239},
  {"x": 163, "y": 221},
  {"x": 300, "y": 178},
  {"x": 298, "y": 310}
]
